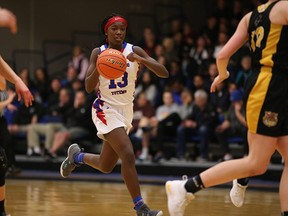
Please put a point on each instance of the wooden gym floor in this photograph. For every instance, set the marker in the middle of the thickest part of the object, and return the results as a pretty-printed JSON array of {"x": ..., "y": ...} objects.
[{"x": 74, "y": 198}]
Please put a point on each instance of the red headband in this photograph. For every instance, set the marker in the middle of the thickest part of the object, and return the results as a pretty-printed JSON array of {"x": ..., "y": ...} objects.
[{"x": 113, "y": 20}]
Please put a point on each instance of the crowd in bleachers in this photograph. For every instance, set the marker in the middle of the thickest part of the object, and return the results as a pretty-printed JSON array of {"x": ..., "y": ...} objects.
[{"x": 178, "y": 109}]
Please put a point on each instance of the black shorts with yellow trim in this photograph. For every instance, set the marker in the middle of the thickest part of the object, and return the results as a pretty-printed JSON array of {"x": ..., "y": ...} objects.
[{"x": 266, "y": 102}]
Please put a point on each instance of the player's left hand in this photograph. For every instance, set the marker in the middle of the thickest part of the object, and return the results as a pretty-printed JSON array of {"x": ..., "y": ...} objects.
[
  {"x": 23, "y": 92},
  {"x": 217, "y": 81}
]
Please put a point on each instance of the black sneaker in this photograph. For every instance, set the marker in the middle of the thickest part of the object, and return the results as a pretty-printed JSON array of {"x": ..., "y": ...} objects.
[
  {"x": 68, "y": 164},
  {"x": 145, "y": 211}
]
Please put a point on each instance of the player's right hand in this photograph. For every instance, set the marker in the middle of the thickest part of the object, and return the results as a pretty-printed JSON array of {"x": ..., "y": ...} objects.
[{"x": 23, "y": 92}]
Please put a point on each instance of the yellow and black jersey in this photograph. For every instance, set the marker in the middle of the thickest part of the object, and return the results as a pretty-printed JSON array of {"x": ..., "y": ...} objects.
[
  {"x": 268, "y": 41},
  {"x": 266, "y": 89}
]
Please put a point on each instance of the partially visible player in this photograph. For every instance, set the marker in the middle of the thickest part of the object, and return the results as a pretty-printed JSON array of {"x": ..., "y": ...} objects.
[
  {"x": 112, "y": 112},
  {"x": 265, "y": 100},
  {"x": 8, "y": 19}
]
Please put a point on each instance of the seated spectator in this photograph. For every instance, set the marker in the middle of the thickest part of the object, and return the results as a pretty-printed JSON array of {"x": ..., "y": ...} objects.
[
  {"x": 164, "y": 124},
  {"x": 56, "y": 115},
  {"x": 143, "y": 111},
  {"x": 71, "y": 75},
  {"x": 200, "y": 52},
  {"x": 243, "y": 74},
  {"x": 78, "y": 124},
  {"x": 146, "y": 84},
  {"x": 222, "y": 40},
  {"x": 54, "y": 90},
  {"x": 148, "y": 41},
  {"x": 79, "y": 62},
  {"x": 201, "y": 122},
  {"x": 221, "y": 98},
  {"x": 24, "y": 118},
  {"x": 41, "y": 83},
  {"x": 234, "y": 124}
]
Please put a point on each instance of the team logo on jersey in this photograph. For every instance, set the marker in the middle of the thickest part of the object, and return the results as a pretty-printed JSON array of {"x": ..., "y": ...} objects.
[{"x": 270, "y": 119}]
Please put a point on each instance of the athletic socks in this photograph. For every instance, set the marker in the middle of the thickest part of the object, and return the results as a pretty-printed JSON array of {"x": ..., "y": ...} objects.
[
  {"x": 194, "y": 184},
  {"x": 243, "y": 181},
  {"x": 138, "y": 202},
  {"x": 78, "y": 158},
  {"x": 284, "y": 213}
]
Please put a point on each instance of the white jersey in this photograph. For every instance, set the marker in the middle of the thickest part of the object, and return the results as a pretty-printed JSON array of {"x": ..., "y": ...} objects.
[{"x": 121, "y": 90}]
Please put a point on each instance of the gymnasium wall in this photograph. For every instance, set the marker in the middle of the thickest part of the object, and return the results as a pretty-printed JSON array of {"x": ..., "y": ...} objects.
[{"x": 40, "y": 20}]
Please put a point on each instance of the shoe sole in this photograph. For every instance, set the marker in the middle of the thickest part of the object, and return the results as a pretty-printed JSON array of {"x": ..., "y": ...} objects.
[
  {"x": 67, "y": 158},
  {"x": 160, "y": 213}
]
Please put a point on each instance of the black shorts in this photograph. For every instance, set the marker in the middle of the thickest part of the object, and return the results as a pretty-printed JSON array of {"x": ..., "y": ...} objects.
[{"x": 266, "y": 102}]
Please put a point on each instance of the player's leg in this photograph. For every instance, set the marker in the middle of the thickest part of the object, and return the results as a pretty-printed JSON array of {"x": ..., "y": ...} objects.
[
  {"x": 282, "y": 147},
  {"x": 256, "y": 163},
  {"x": 105, "y": 161},
  {"x": 120, "y": 142}
]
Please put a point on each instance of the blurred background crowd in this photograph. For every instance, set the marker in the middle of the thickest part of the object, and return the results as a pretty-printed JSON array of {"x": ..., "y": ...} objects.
[{"x": 167, "y": 112}]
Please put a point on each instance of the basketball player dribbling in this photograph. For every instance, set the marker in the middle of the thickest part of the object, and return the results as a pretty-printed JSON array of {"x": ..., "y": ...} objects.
[
  {"x": 265, "y": 100},
  {"x": 112, "y": 112},
  {"x": 8, "y": 19}
]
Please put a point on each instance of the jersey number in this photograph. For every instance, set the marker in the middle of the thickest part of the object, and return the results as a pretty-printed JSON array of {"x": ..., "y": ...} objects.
[
  {"x": 257, "y": 37},
  {"x": 121, "y": 84}
]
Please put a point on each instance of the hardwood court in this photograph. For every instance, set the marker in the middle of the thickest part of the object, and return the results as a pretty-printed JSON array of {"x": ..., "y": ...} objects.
[{"x": 66, "y": 198}]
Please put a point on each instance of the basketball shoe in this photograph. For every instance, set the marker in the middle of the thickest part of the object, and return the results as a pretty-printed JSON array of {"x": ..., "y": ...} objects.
[
  {"x": 178, "y": 197},
  {"x": 68, "y": 164},
  {"x": 237, "y": 193},
  {"x": 145, "y": 211}
]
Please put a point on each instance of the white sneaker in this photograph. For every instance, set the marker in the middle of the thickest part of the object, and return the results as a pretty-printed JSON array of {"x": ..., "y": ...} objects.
[
  {"x": 237, "y": 193},
  {"x": 178, "y": 197}
]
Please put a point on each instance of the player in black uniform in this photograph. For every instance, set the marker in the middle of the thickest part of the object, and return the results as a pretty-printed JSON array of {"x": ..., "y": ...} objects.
[
  {"x": 265, "y": 101},
  {"x": 7, "y": 19}
]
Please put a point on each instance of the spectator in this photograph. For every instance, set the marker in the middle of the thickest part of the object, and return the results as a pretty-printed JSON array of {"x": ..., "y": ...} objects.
[
  {"x": 77, "y": 125},
  {"x": 23, "y": 119},
  {"x": 234, "y": 124},
  {"x": 146, "y": 84},
  {"x": 200, "y": 52},
  {"x": 169, "y": 47},
  {"x": 143, "y": 111},
  {"x": 149, "y": 41},
  {"x": 71, "y": 75},
  {"x": 55, "y": 118},
  {"x": 41, "y": 84},
  {"x": 222, "y": 40},
  {"x": 164, "y": 124},
  {"x": 221, "y": 98},
  {"x": 54, "y": 90},
  {"x": 201, "y": 122},
  {"x": 244, "y": 72},
  {"x": 79, "y": 62},
  {"x": 210, "y": 30}
]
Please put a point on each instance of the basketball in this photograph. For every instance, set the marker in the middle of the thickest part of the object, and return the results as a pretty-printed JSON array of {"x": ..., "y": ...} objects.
[{"x": 111, "y": 64}]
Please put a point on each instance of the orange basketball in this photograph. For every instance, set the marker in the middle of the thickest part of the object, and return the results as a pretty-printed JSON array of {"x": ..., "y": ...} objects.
[{"x": 111, "y": 64}]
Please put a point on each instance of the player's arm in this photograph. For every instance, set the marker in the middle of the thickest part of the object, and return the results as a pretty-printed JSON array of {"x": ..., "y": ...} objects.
[
  {"x": 284, "y": 10},
  {"x": 142, "y": 57},
  {"x": 21, "y": 89},
  {"x": 238, "y": 39},
  {"x": 92, "y": 75}
]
